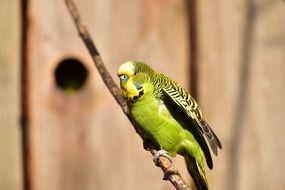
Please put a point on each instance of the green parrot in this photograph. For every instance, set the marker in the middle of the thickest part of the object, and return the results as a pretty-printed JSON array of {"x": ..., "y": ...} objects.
[{"x": 169, "y": 117}]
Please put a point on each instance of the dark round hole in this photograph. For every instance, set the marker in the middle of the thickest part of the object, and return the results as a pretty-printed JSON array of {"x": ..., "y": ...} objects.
[{"x": 70, "y": 75}]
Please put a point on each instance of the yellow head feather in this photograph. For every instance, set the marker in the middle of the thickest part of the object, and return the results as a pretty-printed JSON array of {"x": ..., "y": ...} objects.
[
  {"x": 127, "y": 68},
  {"x": 128, "y": 87}
]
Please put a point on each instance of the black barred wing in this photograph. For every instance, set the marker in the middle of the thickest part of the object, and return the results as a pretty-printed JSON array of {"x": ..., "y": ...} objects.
[{"x": 185, "y": 102}]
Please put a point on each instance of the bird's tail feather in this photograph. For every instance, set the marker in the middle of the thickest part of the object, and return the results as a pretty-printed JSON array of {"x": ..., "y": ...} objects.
[{"x": 197, "y": 173}]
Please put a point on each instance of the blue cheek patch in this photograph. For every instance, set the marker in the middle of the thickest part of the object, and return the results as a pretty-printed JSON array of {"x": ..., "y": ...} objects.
[{"x": 138, "y": 86}]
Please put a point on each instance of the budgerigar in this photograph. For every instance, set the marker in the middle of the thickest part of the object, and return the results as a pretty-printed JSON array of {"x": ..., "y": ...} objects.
[{"x": 169, "y": 117}]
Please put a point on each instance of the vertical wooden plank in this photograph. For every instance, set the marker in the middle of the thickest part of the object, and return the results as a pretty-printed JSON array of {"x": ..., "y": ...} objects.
[
  {"x": 220, "y": 36},
  {"x": 10, "y": 134},
  {"x": 82, "y": 140},
  {"x": 262, "y": 155},
  {"x": 233, "y": 33}
]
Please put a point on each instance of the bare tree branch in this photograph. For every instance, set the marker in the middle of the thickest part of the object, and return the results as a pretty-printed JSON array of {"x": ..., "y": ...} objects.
[{"x": 170, "y": 171}]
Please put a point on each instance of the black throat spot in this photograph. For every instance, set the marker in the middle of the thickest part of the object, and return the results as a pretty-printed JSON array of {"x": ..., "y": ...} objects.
[{"x": 135, "y": 98}]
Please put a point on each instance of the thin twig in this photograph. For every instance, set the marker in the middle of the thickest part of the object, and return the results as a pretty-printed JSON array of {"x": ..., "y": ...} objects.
[{"x": 170, "y": 171}]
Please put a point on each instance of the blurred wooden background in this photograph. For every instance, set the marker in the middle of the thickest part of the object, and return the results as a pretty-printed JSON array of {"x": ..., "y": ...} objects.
[{"x": 230, "y": 54}]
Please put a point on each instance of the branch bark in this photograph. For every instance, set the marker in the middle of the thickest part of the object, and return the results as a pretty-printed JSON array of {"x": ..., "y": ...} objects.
[{"x": 170, "y": 171}]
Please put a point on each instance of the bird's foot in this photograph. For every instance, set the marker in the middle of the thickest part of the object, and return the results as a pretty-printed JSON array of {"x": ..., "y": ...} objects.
[{"x": 163, "y": 153}]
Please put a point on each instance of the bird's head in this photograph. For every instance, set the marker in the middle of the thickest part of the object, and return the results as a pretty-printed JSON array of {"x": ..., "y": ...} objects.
[{"x": 134, "y": 80}]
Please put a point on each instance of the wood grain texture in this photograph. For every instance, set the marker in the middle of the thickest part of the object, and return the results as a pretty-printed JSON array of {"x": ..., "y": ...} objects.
[
  {"x": 83, "y": 140},
  {"x": 233, "y": 34},
  {"x": 220, "y": 27},
  {"x": 262, "y": 152},
  {"x": 10, "y": 134}
]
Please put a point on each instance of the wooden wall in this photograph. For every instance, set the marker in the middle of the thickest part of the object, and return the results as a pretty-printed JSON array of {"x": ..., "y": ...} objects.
[
  {"x": 81, "y": 140},
  {"x": 10, "y": 134},
  {"x": 241, "y": 60}
]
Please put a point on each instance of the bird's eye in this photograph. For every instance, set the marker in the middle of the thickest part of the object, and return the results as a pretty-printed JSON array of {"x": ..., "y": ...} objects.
[{"x": 124, "y": 77}]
